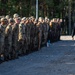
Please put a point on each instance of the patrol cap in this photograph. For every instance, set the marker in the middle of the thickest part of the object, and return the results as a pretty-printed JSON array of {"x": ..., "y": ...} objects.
[
  {"x": 7, "y": 17},
  {"x": 15, "y": 16}
]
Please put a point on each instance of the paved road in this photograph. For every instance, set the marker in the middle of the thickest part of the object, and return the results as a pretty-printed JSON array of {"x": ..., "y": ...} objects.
[{"x": 58, "y": 59}]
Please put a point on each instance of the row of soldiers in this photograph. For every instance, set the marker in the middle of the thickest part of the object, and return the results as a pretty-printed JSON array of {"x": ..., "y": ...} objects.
[
  {"x": 19, "y": 36},
  {"x": 55, "y": 29}
]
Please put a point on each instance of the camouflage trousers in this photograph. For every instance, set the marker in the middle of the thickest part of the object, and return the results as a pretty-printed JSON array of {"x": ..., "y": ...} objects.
[
  {"x": 27, "y": 41},
  {"x": 15, "y": 48},
  {"x": 1, "y": 46},
  {"x": 40, "y": 40},
  {"x": 45, "y": 37},
  {"x": 35, "y": 41},
  {"x": 22, "y": 47}
]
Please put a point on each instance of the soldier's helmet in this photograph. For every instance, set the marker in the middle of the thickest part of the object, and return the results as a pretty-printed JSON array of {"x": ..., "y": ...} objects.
[{"x": 15, "y": 16}]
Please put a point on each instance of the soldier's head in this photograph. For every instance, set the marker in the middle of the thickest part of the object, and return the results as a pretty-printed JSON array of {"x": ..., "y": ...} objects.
[
  {"x": 43, "y": 20},
  {"x": 60, "y": 20},
  {"x": 17, "y": 20},
  {"x": 6, "y": 21},
  {"x": 3, "y": 21},
  {"x": 27, "y": 21},
  {"x": 46, "y": 20},
  {"x": 11, "y": 21},
  {"x": 7, "y": 17},
  {"x": 33, "y": 19},
  {"x": 40, "y": 19},
  {"x": 55, "y": 20},
  {"x": 30, "y": 19},
  {"x": 15, "y": 16},
  {"x": 23, "y": 20}
]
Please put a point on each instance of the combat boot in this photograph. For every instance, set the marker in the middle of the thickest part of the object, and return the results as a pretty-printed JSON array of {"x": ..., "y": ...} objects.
[{"x": 1, "y": 58}]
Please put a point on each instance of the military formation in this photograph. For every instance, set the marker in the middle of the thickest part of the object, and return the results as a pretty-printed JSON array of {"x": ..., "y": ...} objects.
[{"x": 21, "y": 36}]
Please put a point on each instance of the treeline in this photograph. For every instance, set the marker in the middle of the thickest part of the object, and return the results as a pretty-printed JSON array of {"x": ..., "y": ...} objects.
[{"x": 50, "y": 8}]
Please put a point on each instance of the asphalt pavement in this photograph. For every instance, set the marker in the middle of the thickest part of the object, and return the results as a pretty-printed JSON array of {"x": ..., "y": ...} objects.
[{"x": 57, "y": 59}]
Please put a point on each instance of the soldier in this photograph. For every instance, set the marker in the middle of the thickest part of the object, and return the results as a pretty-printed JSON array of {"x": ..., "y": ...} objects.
[
  {"x": 21, "y": 36},
  {"x": 8, "y": 33},
  {"x": 43, "y": 31},
  {"x": 28, "y": 29},
  {"x": 15, "y": 31},
  {"x": 2, "y": 38},
  {"x": 40, "y": 31},
  {"x": 36, "y": 35},
  {"x": 46, "y": 29},
  {"x": 58, "y": 28},
  {"x": 32, "y": 34}
]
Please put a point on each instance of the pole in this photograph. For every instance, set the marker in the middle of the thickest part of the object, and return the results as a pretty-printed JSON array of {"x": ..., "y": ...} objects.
[
  {"x": 69, "y": 17},
  {"x": 36, "y": 9}
]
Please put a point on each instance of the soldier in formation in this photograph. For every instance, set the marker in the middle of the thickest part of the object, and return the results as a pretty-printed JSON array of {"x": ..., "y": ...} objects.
[{"x": 2, "y": 38}]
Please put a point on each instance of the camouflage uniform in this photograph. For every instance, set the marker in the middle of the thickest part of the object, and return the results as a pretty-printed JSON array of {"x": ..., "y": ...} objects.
[
  {"x": 15, "y": 31},
  {"x": 8, "y": 41},
  {"x": 21, "y": 38},
  {"x": 39, "y": 25},
  {"x": 28, "y": 28},
  {"x": 36, "y": 39},
  {"x": 2, "y": 40},
  {"x": 45, "y": 32},
  {"x": 32, "y": 35}
]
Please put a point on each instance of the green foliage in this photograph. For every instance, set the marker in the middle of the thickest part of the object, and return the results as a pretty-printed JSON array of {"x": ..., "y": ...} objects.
[{"x": 49, "y": 8}]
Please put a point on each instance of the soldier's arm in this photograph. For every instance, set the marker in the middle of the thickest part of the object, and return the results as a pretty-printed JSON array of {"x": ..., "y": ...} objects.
[
  {"x": 14, "y": 28},
  {"x": 0, "y": 29},
  {"x": 7, "y": 30},
  {"x": 20, "y": 33}
]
